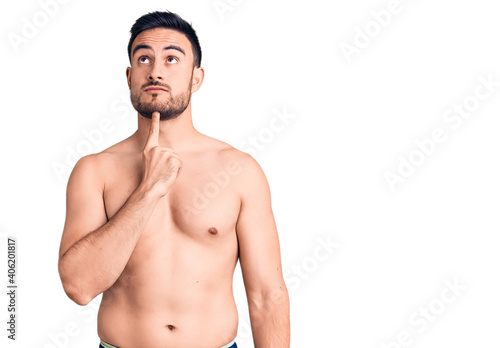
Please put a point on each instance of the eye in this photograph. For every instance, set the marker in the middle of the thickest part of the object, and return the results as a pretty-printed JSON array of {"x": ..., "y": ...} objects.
[
  {"x": 172, "y": 60},
  {"x": 143, "y": 59}
]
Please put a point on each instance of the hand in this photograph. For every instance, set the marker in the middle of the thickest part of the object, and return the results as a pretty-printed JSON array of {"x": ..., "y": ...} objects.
[{"x": 160, "y": 165}]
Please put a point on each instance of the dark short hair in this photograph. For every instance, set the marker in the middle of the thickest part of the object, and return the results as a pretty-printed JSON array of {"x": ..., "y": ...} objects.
[{"x": 166, "y": 20}]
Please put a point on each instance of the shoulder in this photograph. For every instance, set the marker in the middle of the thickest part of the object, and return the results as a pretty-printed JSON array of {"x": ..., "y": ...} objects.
[
  {"x": 92, "y": 167},
  {"x": 87, "y": 173},
  {"x": 241, "y": 162},
  {"x": 108, "y": 156},
  {"x": 245, "y": 171}
]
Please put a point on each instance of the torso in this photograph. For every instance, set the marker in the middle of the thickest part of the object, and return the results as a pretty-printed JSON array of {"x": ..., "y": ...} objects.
[{"x": 176, "y": 289}]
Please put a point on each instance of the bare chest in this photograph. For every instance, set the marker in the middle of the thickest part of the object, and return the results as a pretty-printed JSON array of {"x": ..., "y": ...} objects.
[{"x": 203, "y": 202}]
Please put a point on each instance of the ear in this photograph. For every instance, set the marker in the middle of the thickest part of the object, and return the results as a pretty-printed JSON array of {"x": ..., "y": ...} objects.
[
  {"x": 198, "y": 76},
  {"x": 128, "y": 73}
]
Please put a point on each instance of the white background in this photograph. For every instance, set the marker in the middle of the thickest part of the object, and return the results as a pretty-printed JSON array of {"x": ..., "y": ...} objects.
[{"x": 326, "y": 168}]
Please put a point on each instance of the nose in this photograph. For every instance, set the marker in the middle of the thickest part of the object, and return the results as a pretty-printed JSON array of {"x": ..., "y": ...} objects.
[{"x": 156, "y": 72}]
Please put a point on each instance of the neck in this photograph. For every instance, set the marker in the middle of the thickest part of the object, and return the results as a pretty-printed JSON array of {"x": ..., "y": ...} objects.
[{"x": 178, "y": 133}]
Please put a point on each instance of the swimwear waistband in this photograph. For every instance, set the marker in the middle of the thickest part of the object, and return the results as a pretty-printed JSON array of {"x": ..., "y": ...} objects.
[
  {"x": 103, "y": 344},
  {"x": 106, "y": 345},
  {"x": 232, "y": 344}
]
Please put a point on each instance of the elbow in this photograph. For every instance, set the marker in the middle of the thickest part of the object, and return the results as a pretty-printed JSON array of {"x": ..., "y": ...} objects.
[
  {"x": 76, "y": 293},
  {"x": 272, "y": 306},
  {"x": 77, "y": 296},
  {"x": 271, "y": 297},
  {"x": 279, "y": 296}
]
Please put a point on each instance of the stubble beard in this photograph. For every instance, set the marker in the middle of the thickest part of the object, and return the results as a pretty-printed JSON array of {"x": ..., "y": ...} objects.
[{"x": 168, "y": 109}]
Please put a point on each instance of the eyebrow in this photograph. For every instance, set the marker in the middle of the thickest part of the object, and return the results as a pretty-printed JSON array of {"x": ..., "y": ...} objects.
[{"x": 147, "y": 47}]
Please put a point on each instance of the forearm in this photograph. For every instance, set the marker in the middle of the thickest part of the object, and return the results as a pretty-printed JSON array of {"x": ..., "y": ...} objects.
[
  {"x": 96, "y": 261},
  {"x": 270, "y": 320}
]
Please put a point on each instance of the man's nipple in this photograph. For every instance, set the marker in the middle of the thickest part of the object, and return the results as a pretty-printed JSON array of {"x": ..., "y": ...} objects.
[{"x": 213, "y": 231}]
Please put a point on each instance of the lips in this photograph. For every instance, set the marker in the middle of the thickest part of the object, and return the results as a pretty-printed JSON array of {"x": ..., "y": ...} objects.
[{"x": 155, "y": 89}]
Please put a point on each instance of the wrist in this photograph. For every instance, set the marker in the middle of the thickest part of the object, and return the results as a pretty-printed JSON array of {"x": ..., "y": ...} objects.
[{"x": 148, "y": 192}]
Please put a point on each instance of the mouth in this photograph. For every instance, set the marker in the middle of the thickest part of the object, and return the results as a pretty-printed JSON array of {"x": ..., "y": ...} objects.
[{"x": 155, "y": 89}]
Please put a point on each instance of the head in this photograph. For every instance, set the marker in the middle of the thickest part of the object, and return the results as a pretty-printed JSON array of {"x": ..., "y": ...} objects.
[{"x": 165, "y": 65}]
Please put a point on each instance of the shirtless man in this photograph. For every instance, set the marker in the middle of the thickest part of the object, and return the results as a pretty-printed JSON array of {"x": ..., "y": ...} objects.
[{"x": 157, "y": 222}]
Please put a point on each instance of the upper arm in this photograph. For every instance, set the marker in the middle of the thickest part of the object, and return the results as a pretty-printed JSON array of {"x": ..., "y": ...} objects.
[
  {"x": 257, "y": 235},
  {"x": 85, "y": 210}
]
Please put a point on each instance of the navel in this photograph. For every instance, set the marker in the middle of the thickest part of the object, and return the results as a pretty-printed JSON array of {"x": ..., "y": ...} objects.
[
  {"x": 213, "y": 231},
  {"x": 170, "y": 327}
]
